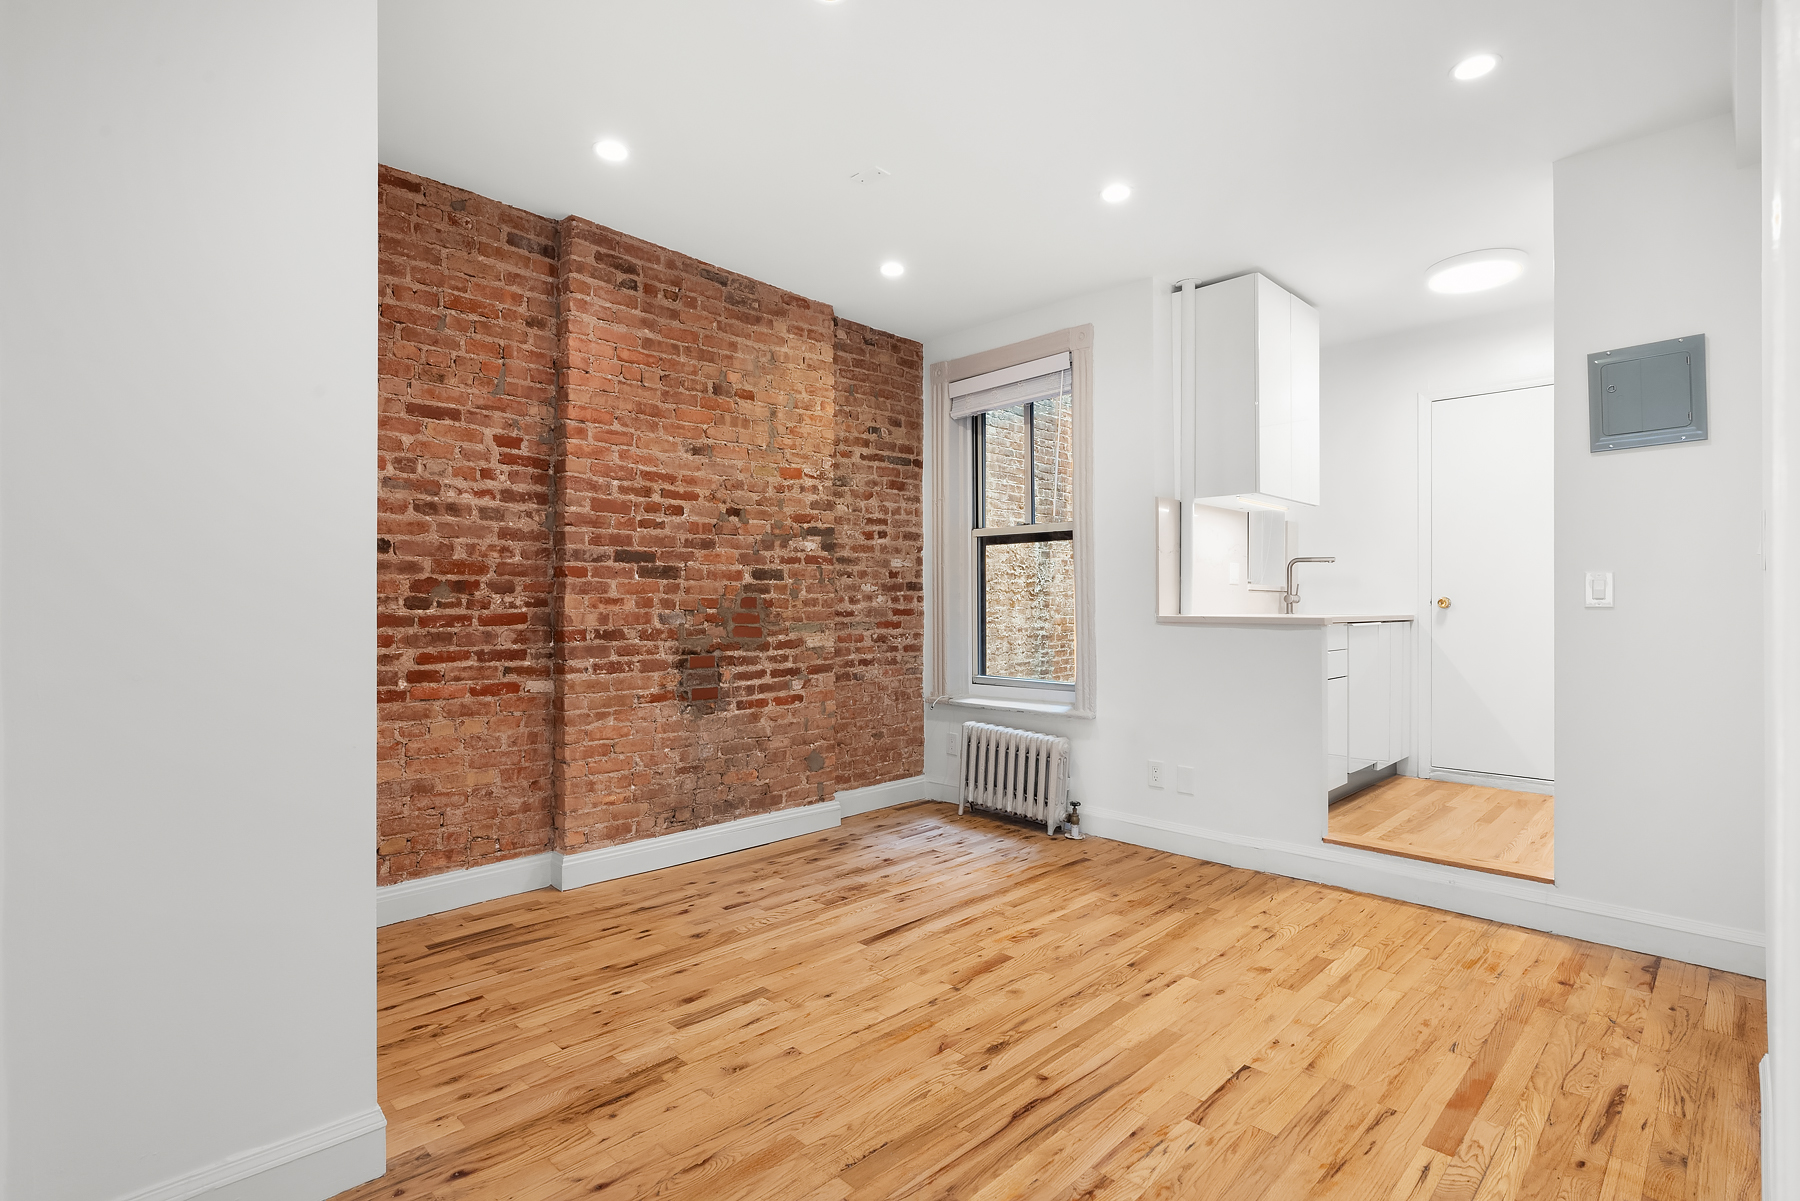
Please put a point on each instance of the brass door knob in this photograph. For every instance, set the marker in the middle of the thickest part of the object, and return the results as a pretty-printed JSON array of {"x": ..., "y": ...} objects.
[{"x": 1443, "y": 602}]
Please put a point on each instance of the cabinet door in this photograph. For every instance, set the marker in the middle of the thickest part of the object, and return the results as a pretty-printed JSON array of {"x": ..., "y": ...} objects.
[
  {"x": 1400, "y": 636},
  {"x": 1371, "y": 685},
  {"x": 1303, "y": 399},
  {"x": 1274, "y": 391},
  {"x": 1219, "y": 388},
  {"x": 1336, "y": 730}
]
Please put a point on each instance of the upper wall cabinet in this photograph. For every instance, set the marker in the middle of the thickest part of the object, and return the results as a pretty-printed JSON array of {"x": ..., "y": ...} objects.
[{"x": 1247, "y": 381}]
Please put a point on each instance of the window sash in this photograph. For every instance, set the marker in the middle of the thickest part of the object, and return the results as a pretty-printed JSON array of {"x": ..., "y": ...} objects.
[
  {"x": 978, "y": 464},
  {"x": 1007, "y": 536}
]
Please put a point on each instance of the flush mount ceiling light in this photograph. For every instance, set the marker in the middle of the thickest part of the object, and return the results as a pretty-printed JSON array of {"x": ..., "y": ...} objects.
[
  {"x": 1474, "y": 67},
  {"x": 892, "y": 269},
  {"x": 1116, "y": 193},
  {"x": 611, "y": 150},
  {"x": 1476, "y": 271}
]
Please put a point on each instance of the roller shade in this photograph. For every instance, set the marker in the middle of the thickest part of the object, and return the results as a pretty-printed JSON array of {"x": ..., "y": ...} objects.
[{"x": 1040, "y": 379}]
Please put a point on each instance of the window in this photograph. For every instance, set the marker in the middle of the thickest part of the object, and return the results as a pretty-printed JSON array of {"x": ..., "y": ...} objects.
[
  {"x": 1022, "y": 521},
  {"x": 1010, "y": 553}
]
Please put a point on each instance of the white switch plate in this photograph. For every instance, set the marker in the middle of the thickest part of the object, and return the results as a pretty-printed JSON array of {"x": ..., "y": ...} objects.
[
  {"x": 1184, "y": 779},
  {"x": 1159, "y": 772},
  {"x": 1598, "y": 590}
]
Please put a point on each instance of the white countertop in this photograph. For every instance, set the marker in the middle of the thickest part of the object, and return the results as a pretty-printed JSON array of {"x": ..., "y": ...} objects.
[{"x": 1277, "y": 619}]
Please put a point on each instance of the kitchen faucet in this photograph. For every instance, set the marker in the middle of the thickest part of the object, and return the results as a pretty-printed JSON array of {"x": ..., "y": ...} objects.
[{"x": 1290, "y": 598}]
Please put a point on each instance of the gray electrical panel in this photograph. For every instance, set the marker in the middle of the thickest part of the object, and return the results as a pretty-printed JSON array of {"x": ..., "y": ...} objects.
[{"x": 1648, "y": 395}]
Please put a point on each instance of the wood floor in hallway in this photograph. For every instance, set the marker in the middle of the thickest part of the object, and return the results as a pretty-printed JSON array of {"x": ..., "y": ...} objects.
[
  {"x": 1491, "y": 830},
  {"x": 921, "y": 1005}
]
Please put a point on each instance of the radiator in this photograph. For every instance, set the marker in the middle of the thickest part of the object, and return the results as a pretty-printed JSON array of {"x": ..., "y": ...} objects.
[{"x": 1016, "y": 772}]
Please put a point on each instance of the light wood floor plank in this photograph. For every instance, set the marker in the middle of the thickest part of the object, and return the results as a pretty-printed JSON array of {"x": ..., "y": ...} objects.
[
  {"x": 920, "y": 1005},
  {"x": 1491, "y": 830}
]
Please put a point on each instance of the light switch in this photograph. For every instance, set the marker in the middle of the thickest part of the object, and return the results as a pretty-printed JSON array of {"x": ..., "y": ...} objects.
[{"x": 1599, "y": 594}]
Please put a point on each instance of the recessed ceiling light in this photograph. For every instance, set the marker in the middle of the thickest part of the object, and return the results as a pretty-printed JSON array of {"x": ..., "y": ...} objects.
[
  {"x": 1474, "y": 67},
  {"x": 1476, "y": 271},
  {"x": 611, "y": 150},
  {"x": 892, "y": 269},
  {"x": 1116, "y": 193}
]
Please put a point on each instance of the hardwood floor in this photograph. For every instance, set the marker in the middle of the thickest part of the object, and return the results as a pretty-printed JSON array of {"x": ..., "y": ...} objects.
[
  {"x": 1486, "y": 829},
  {"x": 918, "y": 1005}
]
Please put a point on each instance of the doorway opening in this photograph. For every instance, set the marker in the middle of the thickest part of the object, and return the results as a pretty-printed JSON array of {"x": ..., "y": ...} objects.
[{"x": 1479, "y": 791}]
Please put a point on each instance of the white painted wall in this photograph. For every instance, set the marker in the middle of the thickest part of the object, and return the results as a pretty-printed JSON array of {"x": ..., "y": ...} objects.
[
  {"x": 1369, "y": 511},
  {"x": 1221, "y": 563},
  {"x": 1149, "y": 704},
  {"x": 1659, "y": 734},
  {"x": 187, "y": 412},
  {"x": 1781, "y": 412},
  {"x": 1245, "y": 705}
]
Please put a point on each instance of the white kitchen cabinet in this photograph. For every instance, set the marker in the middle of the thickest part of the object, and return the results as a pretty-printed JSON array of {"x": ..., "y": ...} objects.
[
  {"x": 1247, "y": 376},
  {"x": 1371, "y": 706},
  {"x": 1368, "y": 697},
  {"x": 1400, "y": 641},
  {"x": 1337, "y": 719},
  {"x": 1337, "y": 705}
]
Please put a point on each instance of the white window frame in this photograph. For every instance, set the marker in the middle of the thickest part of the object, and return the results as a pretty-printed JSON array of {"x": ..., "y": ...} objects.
[{"x": 952, "y": 646}]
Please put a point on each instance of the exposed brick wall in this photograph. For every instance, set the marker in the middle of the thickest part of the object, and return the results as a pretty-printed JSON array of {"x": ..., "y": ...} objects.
[
  {"x": 645, "y": 525},
  {"x": 880, "y": 616},
  {"x": 695, "y": 653},
  {"x": 467, "y": 335}
]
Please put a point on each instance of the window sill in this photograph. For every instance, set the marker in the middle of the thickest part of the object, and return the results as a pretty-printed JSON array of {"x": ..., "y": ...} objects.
[{"x": 1048, "y": 708}]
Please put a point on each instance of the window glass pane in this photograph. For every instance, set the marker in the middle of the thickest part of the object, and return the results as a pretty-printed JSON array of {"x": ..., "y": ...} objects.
[
  {"x": 1028, "y": 610},
  {"x": 1053, "y": 458},
  {"x": 1005, "y": 467}
]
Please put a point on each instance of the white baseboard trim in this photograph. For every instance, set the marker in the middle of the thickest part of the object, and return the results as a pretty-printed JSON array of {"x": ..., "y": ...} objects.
[
  {"x": 321, "y": 1162},
  {"x": 1488, "y": 779},
  {"x": 452, "y": 890},
  {"x": 1495, "y": 898},
  {"x": 895, "y": 792},
  {"x": 672, "y": 850}
]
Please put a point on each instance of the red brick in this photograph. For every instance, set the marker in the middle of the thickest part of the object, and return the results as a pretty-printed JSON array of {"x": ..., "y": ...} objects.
[
  {"x": 452, "y": 425},
  {"x": 718, "y": 494}
]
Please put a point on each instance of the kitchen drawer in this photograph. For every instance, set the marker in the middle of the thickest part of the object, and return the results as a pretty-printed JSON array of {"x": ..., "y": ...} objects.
[
  {"x": 1337, "y": 664},
  {"x": 1337, "y": 636}
]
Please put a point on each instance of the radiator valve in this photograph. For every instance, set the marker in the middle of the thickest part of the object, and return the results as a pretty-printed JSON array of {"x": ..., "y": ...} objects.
[{"x": 1072, "y": 827}]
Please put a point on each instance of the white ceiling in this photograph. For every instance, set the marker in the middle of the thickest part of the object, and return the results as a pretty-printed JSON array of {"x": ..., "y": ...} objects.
[{"x": 1321, "y": 141}]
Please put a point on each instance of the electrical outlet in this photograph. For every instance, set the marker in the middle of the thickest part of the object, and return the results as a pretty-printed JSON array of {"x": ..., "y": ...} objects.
[
  {"x": 1158, "y": 771},
  {"x": 1184, "y": 780}
]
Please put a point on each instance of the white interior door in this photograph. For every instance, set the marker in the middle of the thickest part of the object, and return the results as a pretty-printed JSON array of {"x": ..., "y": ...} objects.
[{"x": 1492, "y": 648}]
